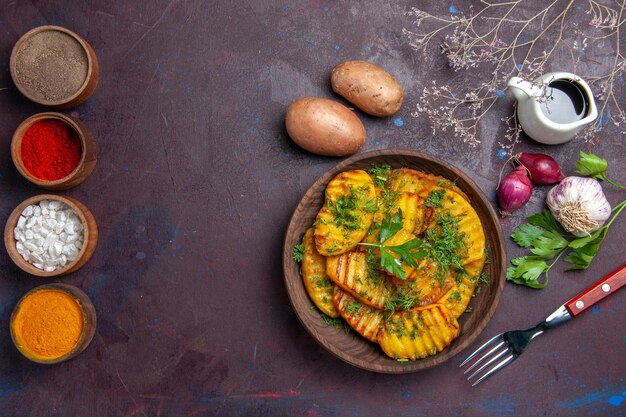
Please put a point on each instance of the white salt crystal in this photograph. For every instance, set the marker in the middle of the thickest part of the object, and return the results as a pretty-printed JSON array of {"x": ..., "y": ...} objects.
[{"x": 49, "y": 235}]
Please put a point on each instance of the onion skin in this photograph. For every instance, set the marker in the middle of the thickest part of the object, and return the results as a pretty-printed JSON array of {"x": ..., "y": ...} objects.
[
  {"x": 514, "y": 191},
  {"x": 542, "y": 169}
]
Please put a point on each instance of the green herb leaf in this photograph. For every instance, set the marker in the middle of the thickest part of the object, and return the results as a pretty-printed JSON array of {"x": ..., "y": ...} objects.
[
  {"x": 391, "y": 264},
  {"x": 586, "y": 249},
  {"x": 410, "y": 252},
  {"x": 298, "y": 252},
  {"x": 591, "y": 165},
  {"x": 548, "y": 245},
  {"x": 550, "y": 242},
  {"x": 544, "y": 219},
  {"x": 527, "y": 271},
  {"x": 525, "y": 234},
  {"x": 390, "y": 226}
]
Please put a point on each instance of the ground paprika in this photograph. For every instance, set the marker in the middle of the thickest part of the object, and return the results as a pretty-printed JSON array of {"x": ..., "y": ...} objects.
[{"x": 51, "y": 149}]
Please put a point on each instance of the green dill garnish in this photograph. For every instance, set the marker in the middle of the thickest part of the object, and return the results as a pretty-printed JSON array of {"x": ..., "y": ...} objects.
[
  {"x": 402, "y": 360},
  {"x": 403, "y": 299},
  {"x": 454, "y": 297},
  {"x": 446, "y": 245},
  {"x": 434, "y": 198},
  {"x": 396, "y": 327},
  {"x": 298, "y": 252},
  {"x": 380, "y": 174},
  {"x": 343, "y": 211},
  {"x": 354, "y": 307},
  {"x": 389, "y": 199},
  {"x": 344, "y": 208},
  {"x": 469, "y": 309},
  {"x": 336, "y": 323}
]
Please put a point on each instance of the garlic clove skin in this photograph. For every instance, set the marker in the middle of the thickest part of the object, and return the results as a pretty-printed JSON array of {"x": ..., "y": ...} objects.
[{"x": 579, "y": 204}]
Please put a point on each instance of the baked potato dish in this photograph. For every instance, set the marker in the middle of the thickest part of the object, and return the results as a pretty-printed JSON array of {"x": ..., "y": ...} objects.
[{"x": 398, "y": 255}]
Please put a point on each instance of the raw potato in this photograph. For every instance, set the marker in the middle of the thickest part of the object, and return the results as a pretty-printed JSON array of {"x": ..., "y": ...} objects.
[
  {"x": 367, "y": 86},
  {"x": 324, "y": 127}
]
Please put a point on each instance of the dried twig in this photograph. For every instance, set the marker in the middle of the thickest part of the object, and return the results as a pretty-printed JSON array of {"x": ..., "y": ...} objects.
[{"x": 525, "y": 49}]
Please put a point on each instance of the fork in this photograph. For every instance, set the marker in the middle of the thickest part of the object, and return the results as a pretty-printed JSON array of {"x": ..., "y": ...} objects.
[{"x": 510, "y": 345}]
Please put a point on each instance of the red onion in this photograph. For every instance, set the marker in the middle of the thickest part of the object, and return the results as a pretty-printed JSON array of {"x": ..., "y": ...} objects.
[
  {"x": 514, "y": 190},
  {"x": 542, "y": 169}
]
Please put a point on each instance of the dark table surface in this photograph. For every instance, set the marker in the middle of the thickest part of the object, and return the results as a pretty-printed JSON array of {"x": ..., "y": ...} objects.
[{"x": 195, "y": 183}]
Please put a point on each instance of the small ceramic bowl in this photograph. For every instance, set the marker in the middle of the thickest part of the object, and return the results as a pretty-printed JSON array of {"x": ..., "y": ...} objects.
[
  {"x": 87, "y": 161},
  {"x": 54, "y": 67},
  {"x": 88, "y": 328},
  {"x": 90, "y": 237}
]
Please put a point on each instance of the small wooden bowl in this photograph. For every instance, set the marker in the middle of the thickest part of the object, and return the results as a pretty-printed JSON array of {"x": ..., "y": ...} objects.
[
  {"x": 90, "y": 239},
  {"x": 352, "y": 348},
  {"x": 87, "y": 161},
  {"x": 89, "y": 322},
  {"x": 74, "y": 99}
]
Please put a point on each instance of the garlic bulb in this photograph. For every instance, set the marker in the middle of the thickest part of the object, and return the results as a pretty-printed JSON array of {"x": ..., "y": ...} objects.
[{"x": 579, "y": 205}]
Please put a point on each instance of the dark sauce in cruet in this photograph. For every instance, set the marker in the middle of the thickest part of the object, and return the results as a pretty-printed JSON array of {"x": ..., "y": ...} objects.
[{"x": 565, "y": 102}]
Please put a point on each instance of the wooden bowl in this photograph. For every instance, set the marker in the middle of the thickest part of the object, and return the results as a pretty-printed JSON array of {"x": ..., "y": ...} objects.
[
  {"x": 87, "y": 161},
  {"x": 89, "y": 322},
  {"x": 49, "y": 35},
  {"x": 90, "y": 239},
  {"x": 351, "y": 347}
]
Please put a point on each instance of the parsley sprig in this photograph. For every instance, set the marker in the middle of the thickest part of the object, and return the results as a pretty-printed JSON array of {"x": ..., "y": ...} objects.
[
  {"x": 548, "y": 242},
  {"x": 593, "y": 166},
  {"x": 392, "y": 258}
]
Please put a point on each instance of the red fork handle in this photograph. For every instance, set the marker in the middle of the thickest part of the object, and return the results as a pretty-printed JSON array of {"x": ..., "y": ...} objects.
[{"x": 598, "y": 291}]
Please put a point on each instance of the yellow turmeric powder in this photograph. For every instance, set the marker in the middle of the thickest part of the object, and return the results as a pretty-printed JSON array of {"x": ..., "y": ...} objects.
[{"x": 47, "y": 324}]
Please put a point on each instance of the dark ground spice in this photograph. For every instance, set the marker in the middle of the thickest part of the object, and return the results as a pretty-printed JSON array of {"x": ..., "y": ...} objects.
[{"x": 51, "y": 66}]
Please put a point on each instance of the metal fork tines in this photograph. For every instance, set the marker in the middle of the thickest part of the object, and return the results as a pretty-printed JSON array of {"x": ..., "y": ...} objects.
[{"x": 508, "y": 346}]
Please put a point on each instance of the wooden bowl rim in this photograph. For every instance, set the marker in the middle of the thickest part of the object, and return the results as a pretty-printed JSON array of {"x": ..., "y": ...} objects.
[
  {"x": 16, "y": 143},
  {"x": 89, "y": 318},
  {"x": 83, "y": 43},
  {"x": 9, "y": 236},
  {"x": 395, "y": 367}
]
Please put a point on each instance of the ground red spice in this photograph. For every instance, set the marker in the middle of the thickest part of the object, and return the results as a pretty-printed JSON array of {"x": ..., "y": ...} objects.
[{"x": 51, "y": 149}]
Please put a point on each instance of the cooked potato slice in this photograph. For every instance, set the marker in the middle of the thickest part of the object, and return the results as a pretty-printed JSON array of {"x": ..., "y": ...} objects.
[
  {"x": 418, "y": 333},
  {"x": 317, "y": 284},
  {"x": 389, "y": 206},
  {"x": 364, "y": 319},
  {"x": 468, "y": 223},
  {"x": 347, "y": 213},
  {"x": 459, "y": 296},
  {"x": 407, "y": 180},
  {"x": 351, "y": 272},
  {"x": 424, "y": 284}
]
